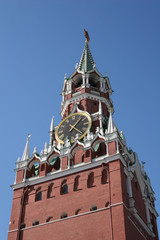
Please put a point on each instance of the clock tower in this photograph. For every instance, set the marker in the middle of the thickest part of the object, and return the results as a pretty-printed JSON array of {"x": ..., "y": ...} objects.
[{"x": 86, "y": 183}]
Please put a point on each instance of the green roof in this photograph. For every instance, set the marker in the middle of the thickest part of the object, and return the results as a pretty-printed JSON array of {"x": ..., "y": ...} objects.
[{"x": 86, "y": 63}]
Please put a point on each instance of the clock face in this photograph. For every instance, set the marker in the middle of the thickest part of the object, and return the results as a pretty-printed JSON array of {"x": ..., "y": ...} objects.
[{"x": 76, "y": 123}]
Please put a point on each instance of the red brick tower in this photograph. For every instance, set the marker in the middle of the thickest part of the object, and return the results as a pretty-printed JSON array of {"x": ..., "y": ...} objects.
[{"x": 86, "y": 184}]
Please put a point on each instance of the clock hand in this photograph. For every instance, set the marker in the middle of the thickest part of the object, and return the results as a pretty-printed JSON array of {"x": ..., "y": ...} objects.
[
  {"x": 75, "y": 128},
  {"x": 74, "y": 125}
]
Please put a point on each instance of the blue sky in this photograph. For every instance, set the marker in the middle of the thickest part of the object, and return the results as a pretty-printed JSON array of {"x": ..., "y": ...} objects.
[{"x": 41, "y": 40}]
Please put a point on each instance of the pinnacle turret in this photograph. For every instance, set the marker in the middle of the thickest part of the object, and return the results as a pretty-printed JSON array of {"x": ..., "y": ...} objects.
[
  {"x": 51, "y": 130},
  {"x": 26, "y": 153},
  {"x": 111, "y": 124},
  {"x": 52, "y": 125}
]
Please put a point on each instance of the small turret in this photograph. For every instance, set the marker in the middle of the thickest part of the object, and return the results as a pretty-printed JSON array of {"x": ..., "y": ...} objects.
[
  {"x": 45, "y": 148},
  {"x": 111, "y": 124},
  {"x": 26, "y": 153},
  {"x": 52, "y": 125},
  {"x": 51, "y": 131}
]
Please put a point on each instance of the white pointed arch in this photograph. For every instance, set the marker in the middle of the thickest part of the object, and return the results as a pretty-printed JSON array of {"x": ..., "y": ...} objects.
[
  {"x": 53, "y": 154},
  {"x": 34, "y": 159},
  {"x": 76, "y": 146}
]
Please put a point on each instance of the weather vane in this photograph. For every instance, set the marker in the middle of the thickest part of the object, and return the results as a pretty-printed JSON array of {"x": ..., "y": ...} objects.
[
  {"x": 29, "y": 135},
  {"x": 143, "y": 163},
  {"x": 86, "y": 35}
]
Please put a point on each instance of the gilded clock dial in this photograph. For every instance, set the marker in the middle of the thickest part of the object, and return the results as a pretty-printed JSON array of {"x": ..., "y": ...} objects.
[{"x": 76, "y": 123}]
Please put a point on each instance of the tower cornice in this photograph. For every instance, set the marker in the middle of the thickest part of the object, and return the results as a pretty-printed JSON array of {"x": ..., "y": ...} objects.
[
  {"x": 62, "y": 173},
  {"x": 78, "y": 96}
]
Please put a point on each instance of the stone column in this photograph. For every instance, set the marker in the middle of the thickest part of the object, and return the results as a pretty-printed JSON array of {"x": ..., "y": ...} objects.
[
  {"x": 117, "y": 147},
  {"x": 146, "y": 202}
]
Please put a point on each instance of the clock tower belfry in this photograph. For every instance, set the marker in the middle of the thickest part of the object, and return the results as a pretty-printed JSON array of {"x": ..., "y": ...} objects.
[
  {"x": 86, "y": 86},
  {"x": 86, "y": 183}
]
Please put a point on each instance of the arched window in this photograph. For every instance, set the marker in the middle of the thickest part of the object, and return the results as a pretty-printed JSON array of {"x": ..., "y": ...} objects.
[
  {"x": 38, "y": 195},
  {"x": 92, "y": 82},
  {"x": 50, "y": 190},
  {"x": 77, "y": 211},
  {"x": 49, "y": 218},
  {"x": 64, "y": 215},
  {"x": 90, "y": 180},
  {"x": 54, "y": 164},
  {"x": 35, "y": 222},
  {"x": 64, "y": 187},
  {"x": 33, "y": 170},
  {"x": 107, "y": 204},
  {"x": 76, "y": 183},
  {"x": 96, "y": 147},
  {"x": 23, "y": 225},
  {"x": 104, "y": 176},
  {"x": 93, "y": 208},
  {"x": 100, "y": 149},
  {"x": 79, "y": 82},
  {"x": 36, "y": 169}
]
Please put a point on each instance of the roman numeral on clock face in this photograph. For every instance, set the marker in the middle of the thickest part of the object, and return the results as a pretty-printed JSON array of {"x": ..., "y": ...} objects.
[
  {"x": 60, "y": 131},
  {"x": 61, "y": 136}
]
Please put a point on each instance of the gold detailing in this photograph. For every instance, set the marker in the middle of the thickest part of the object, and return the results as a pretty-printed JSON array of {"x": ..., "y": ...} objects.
[
  {"x": 82, "y": 133},
  {"x": 29, "y": 135},
  {"x": 75, "y": 128},
  {"x": 143, "y": 163},
  {"x": 86, "y": 35},
  {"x": 74, "y": 124},
  {"x": 112, "y": 110}
]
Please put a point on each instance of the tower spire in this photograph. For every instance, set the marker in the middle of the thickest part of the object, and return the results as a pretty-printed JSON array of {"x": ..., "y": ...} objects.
[
  {"x": 26, "y": 153},
  {"x": 86, "y": 63}
]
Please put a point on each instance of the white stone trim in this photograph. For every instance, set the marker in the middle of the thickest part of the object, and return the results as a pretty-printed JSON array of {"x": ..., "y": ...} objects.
[
  {"x": 70, "y": 217},
  {"x": 141, "y": 181},
  {"x": 140, "y": 220},
  {"x": 96, "y": 93},
  {"x": 144, "y": 225},
  {"x": 91, "y": 212},
  {"x": 153, "y": 210},
  {"x": 76, "y": 93},
  {"x": 82, "y": 96},
  {"x": 14, "y": 230},
  {"x": 62, "y": 173},
  {"x": 63, "y": 151},
  {"x": 136, "y": 227},
  {"x": 129, "y": 186},
  {"x": 148, "y": 215}
]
